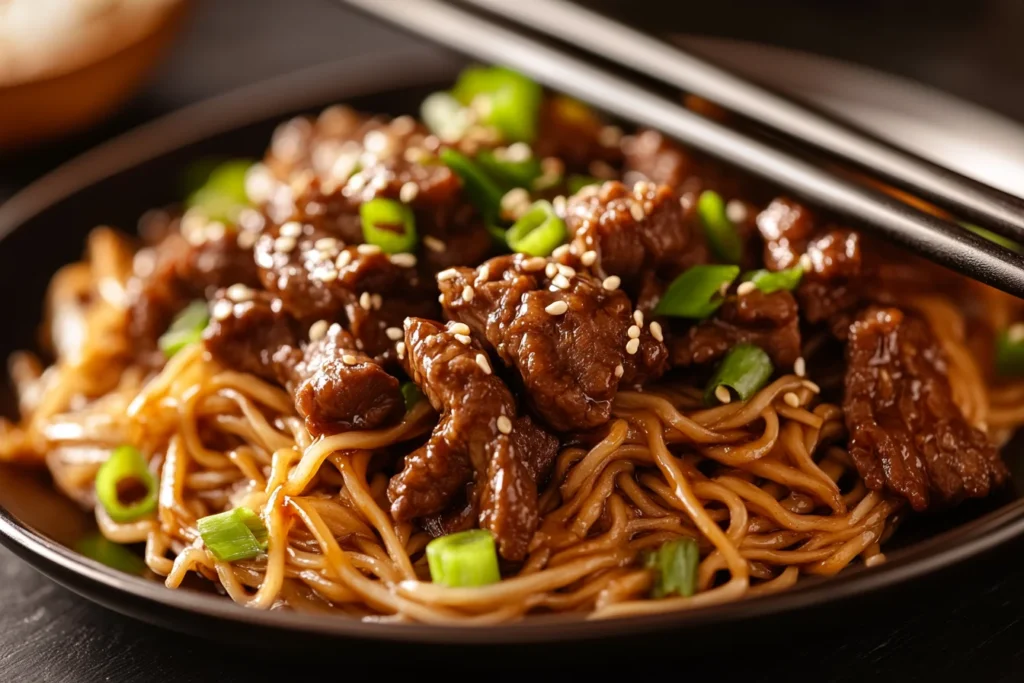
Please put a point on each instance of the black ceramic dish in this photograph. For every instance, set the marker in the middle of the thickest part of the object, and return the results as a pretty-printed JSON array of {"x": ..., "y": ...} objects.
[{"x": 44, "y": 227}]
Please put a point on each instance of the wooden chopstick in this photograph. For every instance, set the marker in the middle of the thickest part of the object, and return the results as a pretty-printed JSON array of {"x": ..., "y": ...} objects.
[
  {"x": 999, "y": 211},
  {"x": 938, "y": 240}
]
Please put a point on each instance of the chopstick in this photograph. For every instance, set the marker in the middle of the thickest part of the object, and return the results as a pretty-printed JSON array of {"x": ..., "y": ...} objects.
[
  {"x": 1001, "y": 212},
  {"x": 938, "y": 240}
]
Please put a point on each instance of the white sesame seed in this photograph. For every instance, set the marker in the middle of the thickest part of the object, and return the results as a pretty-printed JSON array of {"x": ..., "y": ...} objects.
[
  {"x": 589, "y": 258},
  {"x": 638, "y": 317},
  {"x": 633, "y": 332},
  {"x": 400, "y": 350},
  {"x": 377, "y": 301},
  {"x": 515, "y": 202},
  {"x": 246, "y": 239},
  {"x": 326, "y": 244},
  {"x": 800, "y": 367},
  {"x": 409, "y": 192},
  {"x": 745, "y": 288},
  {"x": 468, "y": 293},
  {"x": 518, "y": 152},
  {"x": 484, "y": 364},
  {"x": 394, "y": 333},
  {"x": 736, "y": 211},
  {"x": 1015, "y": 333},
  {"x": 558, "y": 204},
  {"x": 561, "y": 252},
  {"x": 504, "y": 425},
  {"x": 812, "y": 386},
  {"x": 722, "y": 394},
  {"x": 611, "y": 283},
  {"x": 637, "y": 212},
  {"x": 533, "y": 264},
  {"x": 805, "y": 262},
  {"x": 284, "y": 244},
  {"x": 365, "y": 302},
  {"x": 404, "y": 260},
  {"x": 560, "y": 281},
  {"x": 447, "y": 274},
  {"x": 318, "y": 330},
  {"x": 239, "y": 293},
  {"x": 557, "y": 308},
  {"x": 334, "y": 330},
  {"x": 328, "y": 276},
  {"x": 609, "y": 136},
  {"x": 464, "y": 339},
  {"x": 875, "y": 560},
  {"x": 459, "y": 328},
  {"x": 349, "y": 359},
  {"x": 619, "y": 370},
  {"x": 791, "y": 399},
  {"x": 567, "y": 271},
  {"x": 344, "y": 258},
  {"x": 291, "y": 229},
  {"x": 656, "y": 331},
  {"x": 632, "y": 346},
  {"x": 434, "y": 244},
  {"x": 551, "y": 270},
  {"x": 368, "y": 249},
  {"x": 222, "y": 310},
  {"x": 440, "y": 298}
]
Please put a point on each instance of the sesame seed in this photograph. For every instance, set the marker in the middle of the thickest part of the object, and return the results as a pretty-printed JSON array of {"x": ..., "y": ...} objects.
[
  {"x": 638, "y": 317},
  {"x": 611, "y": 283},
  {"x": 400, "y": 350},
  {"x": 409, "y": 192},
  {"x": 484, "y": 364},
  {"x": 246, "y": 239},
  {"x": 610, "y": 136},
  {"x": 637, "y": 212},
  {"x": 745, "y": 288},
  {"x": 326, "y": 244},
  {"x": 318, "y": 330},
  {"x": 222, "y": 310},
  {"x": 619, "y": 370},
  {"x": 558, "y": 204},
  {"x": 459, "y": 328},
  {"x": 344, "y": 258},
  {"x": 656, "y": 331},
  {"x": 812, "y": 386},
  {"x": 557, "y": 308},
  {"x": 291, "y": 229},
  {"x": 328, "y": 276},
  {"x": 874, "y": 560},
  {"x": 404, "y": 260},
  {"x": 561, "y": 252},
  {"x": 447, "y": 274},
  {"x": 736, "y": 211},
  {"x": 239, "y": 293},
  {"x": 485, "y": 273},
  {"x": 589, "y": 258},
  {"x": 805, "y": 262},
  {"x": 284, "y": 244},
  {"x": 394, "y": 333},
  {"x": 791, "y": 399},
  {"x": 632, "y": 346},
  {"x": 722, "y": 394},
  {"x": 551, "y": 270},
  {"x": 800, "y": 367},
  {"x": 467, "y": 293},
  {"x": 334, "y": 329},
  {"x": 440, "y": 298},
  {"x": 567, "y": 271},
  {"x": 365, "y": 302},
  {"x": 633, "y": 332},
  {"x": 434, "y": 244},
  {"x": 464, "y": 339},
  {"x": 368, "y": 249},
  {"x": 349, "y": 359},
  {"x": 560, "y": 281},
  {"x": 518, "y": 152},
  {"x": 377, "y": 300},
  {"x": 515, "y": 201},
  {"x": 533, "y": 264},
  {"x": 1015, "y": 333},
  {"x": 504, "y": 425}
]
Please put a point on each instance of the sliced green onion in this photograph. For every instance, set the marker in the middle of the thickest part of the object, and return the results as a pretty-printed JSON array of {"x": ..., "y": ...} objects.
[
  {"x": 575, "y": 182},
  {"x": 412, "y": 395},
  {"x": 1010, "y": 353},
  {"x": 100, "y": 548},
  {"x": 125, "y": 487},
  {"x": 222, "y": 196},
  {"x": 509, "y": 174},
  {"x": 698, "y": 292},
  {"x": 721, "y": 233},
  {"x": 675, "y": 568},
  {"x": 444, "y": 116},
  {"x": 995, "y": 237},
  {"x": 744, "y": 370},
  {"x": 187, "y": 328},
  {"x": 388, "y": 224},
  {"x": 237, "y": 534},
  {"x": 466, "y": 558},
  {"x": 538, "y": 232},
  {"x": 768, "y": 281},
  {"x": 503, "y": 98},
  {"x": 483, "y": 192}
]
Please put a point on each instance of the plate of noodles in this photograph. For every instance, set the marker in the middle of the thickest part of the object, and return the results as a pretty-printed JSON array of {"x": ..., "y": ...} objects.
[{"x": 400, "y": 349}]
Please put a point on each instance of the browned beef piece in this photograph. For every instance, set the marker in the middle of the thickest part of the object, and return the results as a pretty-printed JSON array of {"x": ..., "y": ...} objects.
[
  {"x": 575, "y": 135},
  {"x": 479, "y": 439},
  {"x": 336, "y": 386},
  {"x": 572, "y": 361},
  {"x": 633, "y": 231},
  {"x": 658, "y": 159},
  {"x": 906, "y": 433},
  {"x": 175, "y": 271},
  {"x": 770, "y": 321}
]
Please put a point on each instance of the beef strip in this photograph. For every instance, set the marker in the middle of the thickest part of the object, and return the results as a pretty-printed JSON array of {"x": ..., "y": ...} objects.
[
  {"x": 336, "y": 386},
  {"x": 906, "y": 433},
  {"x": 572, "y": 133},
  {"x": 652, "y": 156},
  {"x": 770, "y": 321},
  {"x": 570, "y": 362},
  {"x": 479, "y": 440}
]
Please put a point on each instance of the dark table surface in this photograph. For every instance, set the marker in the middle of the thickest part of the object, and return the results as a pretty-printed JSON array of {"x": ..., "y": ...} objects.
[{"x": 969, "y": 624}]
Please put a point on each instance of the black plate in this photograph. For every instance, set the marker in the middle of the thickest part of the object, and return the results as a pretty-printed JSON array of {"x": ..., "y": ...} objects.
[{"x": 45, "y": 226}]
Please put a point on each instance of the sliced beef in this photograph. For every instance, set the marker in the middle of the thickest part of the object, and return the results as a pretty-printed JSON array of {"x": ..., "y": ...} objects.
[
  {"x": 906, "y": 433},
  {"x": 770, "y": 321},
  {"x": 572, "y": 133},
  {"x": 567, "y": 336},
  {"x": 652, "y": 156},
  {"x": 336, "y": 386},
  {"x": 479, "y": 441}
]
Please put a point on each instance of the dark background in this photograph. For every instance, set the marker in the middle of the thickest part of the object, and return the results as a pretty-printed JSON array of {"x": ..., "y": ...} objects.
[{"x": 963, "y": 625}]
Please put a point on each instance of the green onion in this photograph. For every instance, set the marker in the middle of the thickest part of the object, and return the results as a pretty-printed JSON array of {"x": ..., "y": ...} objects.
[
  {"x": 575, "y": 182},
  {"x": 697, "y": 293},
  {"x": 412, "y": 395},
  {"x": 125, "y": 487},
  {"x": 466, "y": 558},
  {"x": 507, "y": 100},
  {"x": 745, "y": 369},
  {"x": 675, "y": 568},
  {"x": 721, "y": 233},
  {"x": 1009, "y": 354},
  {"x": 509, "y": 174},
  {"x": 389, "y": 225},
  {"x": 768, "y": 281},
  {"x": 237, "y": 534},
  {"x": 483, "y": 192},
  {"x": 444, "y": 116},
  {"x": 187, "y": 328},
  {"x": 100, "y": 548},
  {"x": 995, "y": 237},
  {"x": 222, "y": 196},
  {"x": 538, "y": 232},
  {"x": 498, "y": 236}
]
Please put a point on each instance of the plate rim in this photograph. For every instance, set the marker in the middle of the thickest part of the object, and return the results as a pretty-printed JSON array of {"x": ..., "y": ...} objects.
[{"x": 367, "y": 75}]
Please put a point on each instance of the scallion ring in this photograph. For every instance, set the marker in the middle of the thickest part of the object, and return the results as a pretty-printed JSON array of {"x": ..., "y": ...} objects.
[
  {"x": 697, "y": 293},
  {"x": 100, "y": 548},
  {"x": 721, "y": 233},
  {"x": 463, "y": 559},
  {"x": 187, "y": 328},
  {"x": 125, "y": 487},
  {"x": 509, "y": 174},
  {"x": 1010, "y": 352},
  {"x": 411, "y": 394},
  {"x": 674, "y": 565},
  {"x": 222, "y": 196},
  {"x": 538, "y": 232},
  {"x": 388, "y": 224},
  {"x": 237, "y": 534},
  {"x": 502, "y": 98},
  {"x": 768, "y": 281},
  {"x": 481, "y": 190},
  {"x": 744, "y": 371}
]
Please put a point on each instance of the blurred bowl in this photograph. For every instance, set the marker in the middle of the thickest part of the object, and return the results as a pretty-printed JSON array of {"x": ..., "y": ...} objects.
[{"x": 62, "y": 83}]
